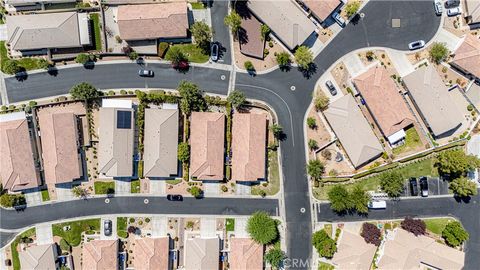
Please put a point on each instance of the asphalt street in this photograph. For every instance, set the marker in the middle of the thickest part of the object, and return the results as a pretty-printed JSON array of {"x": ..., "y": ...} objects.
[
  {"x": 467, "y": 213},
  {"x": 221, "y": 34}
]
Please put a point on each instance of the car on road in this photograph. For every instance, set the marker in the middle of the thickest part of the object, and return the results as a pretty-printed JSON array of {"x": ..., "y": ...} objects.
[
  {"x": 438, "y": 7},
  {"x": 107, "y": 227},
  {"x": 182, "y": 65},
  {"x": 331, "y": 88},
  {"x": 453, "y": 11},
  {"x": 339, "y": 19},
  {"x": 172, "y": 197},
  {"x": 214, "y": 52},
  {"x": 413, "y": 186},
  {"x": 416, "y": 44},
  {"x": 424, "y": 186},
  {"x": 377, "y": 204},
  {"x": 145, "y": 73}
]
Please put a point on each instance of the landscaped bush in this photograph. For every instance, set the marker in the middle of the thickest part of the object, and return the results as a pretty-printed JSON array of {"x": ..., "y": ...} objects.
[
  {"x": 262, "y": 228},
  {"x": 162, "y": 49},
  {"x": 64, "y": 245},
  {"x": 454, "y": 234},
  {"x": 324, "y": 244},
  {"x": 371, "y": 234},
  {"x": 415, "y": 226}
]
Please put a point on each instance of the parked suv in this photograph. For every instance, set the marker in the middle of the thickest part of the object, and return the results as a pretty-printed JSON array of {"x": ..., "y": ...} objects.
[
  {"x": 438, "y": 7},
  {"x": 331, "y": 88},
  {"x": 338, "y": 19},
  {"x": 413, "y": 186},
  {"x": 424, "y": 186},
  {"x": 107, "y": 227}
]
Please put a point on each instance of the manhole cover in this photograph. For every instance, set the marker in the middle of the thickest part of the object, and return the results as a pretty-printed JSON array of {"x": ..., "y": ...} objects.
[
  {"x": 302, "y": 210},
  {"x": 222, "y": 77},
  {"x": 145, "y": 201},
  {"x": 396, "y": 23},
  {"x": 293, "y": 87},
  {"x": 107, "y": 200},
  {"x": 362, "y": 15}
]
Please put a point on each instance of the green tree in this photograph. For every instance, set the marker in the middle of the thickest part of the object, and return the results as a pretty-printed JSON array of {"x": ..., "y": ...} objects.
[
  {"x": 392, "y": 183},
  {"x": 303, "y": 57},
  {"x": 321, "y": 101},
  {"x": 277, "y": 130},
  {"x": 202, "y": 34},
  {"x": 352, "y": 8},
  {"x": 283, "y": 59},
  {"x": 196, "y": 192},
  {"x": 175, "y": 55},
  {"x": 324, "y": 244},
  {"x": 79, "y": 192},
  {"x": 275, "y": 257},
  {"x": 454, "y": 234},
  {"x": 311, "y": 123},
  {"x": 12, "y": 200},
  {"x": 237, "y": 98},
  {"x": 82, "y": 58},
  {"x": 248, "y": 65},
  {"x": 44, "y": 64},
  {"x": 462, "y": 187},
  {"x": 265, "y": 30},
  {"x": 133, "y": 55},
  {"x": 339, "y": 198},
  {"x": 233, "y": 20},
  {"x": 319, "y": 237},
  {"x": 84, "y": 91},
  {"x": 438, "y": 52},
  {"x": 315, "y": 169},
  {"x": 262, "y": 228},
  {"x": 12, "y": 67},
  {"x": 183, "y": 152},
  {"x": 192, "y": 97},
  {"x": 456, "y": 163},
  {"x": 359, "y": 199},
  {"x": 312, "y": 144}
]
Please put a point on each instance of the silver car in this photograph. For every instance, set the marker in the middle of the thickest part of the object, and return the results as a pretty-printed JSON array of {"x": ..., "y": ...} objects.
[
  {"x": 416, "y": 45},
  {"x": 438, "y": 7},
  {"x": 338, "y": 19},
  {"x": 145, "y": 73},
  {"x": 454, "y": 11}
]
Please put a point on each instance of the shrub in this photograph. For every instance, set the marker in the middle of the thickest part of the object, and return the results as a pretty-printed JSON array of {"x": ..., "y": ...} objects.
[
  {"x": 321, "y": 101},
  {"x": 162, "y": 49},
  {"x": 312, "y": 144},
  {"x": 315, "y": 168},
  {"x": 352, "y": 8},
  {"x": 371, "y": 234},
  {"x": 275, "y": 257},
  {"x": 456, "y": 163},
  {"x": 311, "y": 123},
  {"x": 324, "y": 244},
  {"x": 131, "y": 229},
  {"x": 369, "y": 55},
  {"x": 237, "y": 99},
  {"x": 196, "y": 192},
  {"x": 470, "y": 107},
  {"x": 262, "y": 228},
  {"x": 326, "y": 154},
  {"x": 183, "y": 152},
  {"x": 392, "y": 183},
  {"x": 283, "y": 59},
  {"x": 438, "y": 52},
  {"x": 64, "y": 246},
  {"x": 303, "y": 57},
  {"x": 415, "y": 226},
  {"x": 248, "y": 66},
  {"x": 454, "y": 234},
  {"x": 82, "y": 58}
]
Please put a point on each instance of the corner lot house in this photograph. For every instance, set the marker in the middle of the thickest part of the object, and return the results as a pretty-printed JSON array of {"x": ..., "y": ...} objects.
[
  {"x": 100, "y": 255},
  {"x": 160, "y": 143},
  {"x": 207, "y": 139},
  {"x": 286, "y": 19},
  {"x": 42, "y": 257},
  {"x": 245, "y": 254},
  {"x": 38, "y": 33},
  {"x": 249, "y": 135},
  {"x": 60, "y": 151},
  {"x": 471, "y": 12},
  {"x": 467, "y": 56},
  {"x": 434, "y": 101},
  {"x": 353, "y": 131},
  {"x": 385, "y": 103},
  {"x": 404, "y": 250},
  {"x": 201, "y": 253},
  {"x": 324, "y": 8},
  {"x": 353, "y": 252},
  {"x": 17, "y": 165},
  {"x": 151, "y": 253},
  {"x": 116, "y": 133}
]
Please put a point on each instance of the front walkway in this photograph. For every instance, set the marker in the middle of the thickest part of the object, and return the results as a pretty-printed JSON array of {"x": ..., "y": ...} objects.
[{"x": 44, "y": 234}]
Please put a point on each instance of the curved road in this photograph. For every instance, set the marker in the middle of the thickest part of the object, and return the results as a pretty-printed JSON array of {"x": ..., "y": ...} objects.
[{"x": 417, "y": 20}]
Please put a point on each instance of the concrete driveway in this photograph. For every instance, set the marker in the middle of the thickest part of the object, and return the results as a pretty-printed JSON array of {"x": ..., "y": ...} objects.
[
  {"x": 44, "y": 234},
  {"x": 114, "y": 228},
  {"x": 3, "y": 32}
]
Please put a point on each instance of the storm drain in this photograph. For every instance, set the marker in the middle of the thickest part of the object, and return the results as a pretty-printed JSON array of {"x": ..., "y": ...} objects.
[{"x": 396, "y": 23}]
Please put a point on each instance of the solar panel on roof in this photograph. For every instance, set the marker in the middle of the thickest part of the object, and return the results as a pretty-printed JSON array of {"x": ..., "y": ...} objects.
[{"x": 124, "y": 119}]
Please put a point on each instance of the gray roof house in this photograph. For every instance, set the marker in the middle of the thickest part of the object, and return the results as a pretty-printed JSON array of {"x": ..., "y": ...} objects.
[
  {"x": 353, "y": 131},
  {"x": 161, "y": 143},
  {"x": 49, "y": 30},
  {"x": 286, "y": 19},
  {"x": 116, "y": 134},
  {"x": 23, "y": 5},
  {"x": 433, "y": 100},
  {"x": 41, "y": 257}
]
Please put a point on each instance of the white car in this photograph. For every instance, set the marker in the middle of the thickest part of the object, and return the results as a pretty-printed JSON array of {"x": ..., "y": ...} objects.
[
  {"x": 438, "y": 7},
  {"x": 416, "y": 45},
  {"x": 454, "y": 11},
  {"x": 338, "y": 19}
]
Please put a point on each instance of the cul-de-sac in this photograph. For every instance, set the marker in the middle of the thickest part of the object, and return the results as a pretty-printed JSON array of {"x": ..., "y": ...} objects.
[{"x": 239, "y": 134}]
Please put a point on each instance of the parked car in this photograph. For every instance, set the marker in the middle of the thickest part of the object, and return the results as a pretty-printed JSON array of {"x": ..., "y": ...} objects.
[
  {"x": 107, "y": 227},
  {"x": 214, "y": 52},
  {"x": 145, "y": 73},
  {"x": 452, "y": 3},
  {"x": 182, "y": 65},
  {"x": 331, "y": 88},
  {"x": 453, "y": 11},
  {"x": 413, "y": 186},
  {"x": 339, "y": 19},
  {"x": 171, "y": 197},
  {"x": 416, "y": 45},
  {"x": 424, "y": 186},
  {"x": 438, "y": 7},
  {"x": 377, "y": 204}
]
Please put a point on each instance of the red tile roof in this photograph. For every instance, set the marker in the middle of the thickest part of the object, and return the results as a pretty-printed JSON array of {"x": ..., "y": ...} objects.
[
  {"x": 467, "y": 56},
  {"x": 245, "y": 254}
]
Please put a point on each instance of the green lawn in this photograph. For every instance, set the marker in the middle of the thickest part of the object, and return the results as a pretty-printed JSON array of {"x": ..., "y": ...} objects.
[
  {"x": 45, "y": 195},
  {"x": 273, "y": 176},
  {"x": 97, "y": 33},
  {"x": 412, "y": 141},
  {"x": 436, "y": 225},
  {"x": 15, "y": 258},
  {"x": 122, "y": 227},
  {"x": 104, "y": 187},
  {"x": 193, "y": 53},
  {"x": 230, "y": 224},
  {"x": 73, "y": 236},
  {"x": 325, "y": 266},
  {"x": 3, "y": 53},
  {"x": 135, "y": 186},
  {"x": 27, "y": 63},
  {"x": 197, "y": 5},
  {"x": 174, "y": 182}
]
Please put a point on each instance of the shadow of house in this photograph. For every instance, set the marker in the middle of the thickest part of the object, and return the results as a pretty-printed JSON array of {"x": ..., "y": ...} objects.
[{"x": 250, "y": 34}]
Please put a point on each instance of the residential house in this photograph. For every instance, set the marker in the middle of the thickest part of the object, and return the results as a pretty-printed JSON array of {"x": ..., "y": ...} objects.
[
  {"x": 385, "y": 103},
  {"x": 250, "y": 38},
  {"x": 38, "y": 33},
  {"x": 467, "y": 57},
  {"x": 116, "y": 135},
  {"x": 60, "y": 147},
  {"x": 100, "y": 255},
  {"x": 160, "y": 143},
  {"x": 353, "y": 252},
  {"x": 322, "y": 10},
  {"x": 404, "y": 250},
  {"x": 26, "y": 5},
  {"x": 201, "y": 253},
  {"x": 40, "y": 257},
  {"x": 346, "y": 119},
  {"x": 245, "y": 254},
  {"x": 249, "y": 136},
  {"x": 286, "y": 19},
  {"x": 207, "y": 138},
  {"x": 151, "y": 253},
  {"x": 433, "y": 101},
  {"x": 17, "y": 166},
  {"x": 471, "y": 12}
]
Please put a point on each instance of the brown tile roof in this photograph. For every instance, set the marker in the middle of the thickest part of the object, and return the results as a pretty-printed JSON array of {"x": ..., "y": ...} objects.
[
  {"x": 250, "y": 33},
  {"x": 245, "y": 254},
  {"x": 100, "y": 255},
  {"x": 353, "y": 252},
  {"x": 207, "y": 139},
  {"x": 152, "y": 21},
  {"x": 59, "y": 136},
  {"x": 151, "y": 253},
  {"x": 249, "y": 133},
  {"x": 384, "y": 100},
  {"x": 17, "y": 167},
  {"x": 467, "y": 56},
  {"x": 322, "y": 8},
  {"x": 41, "y": 257}
]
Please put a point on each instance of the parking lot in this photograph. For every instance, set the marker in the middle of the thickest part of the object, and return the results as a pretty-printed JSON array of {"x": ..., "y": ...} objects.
[{"x": 436, "y": 186}]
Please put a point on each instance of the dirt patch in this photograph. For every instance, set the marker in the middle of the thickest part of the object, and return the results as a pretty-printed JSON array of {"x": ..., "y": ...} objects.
[
  {"x": 450, "y": 77},
  {"x": 341, "y": 76},
  {"x": 320, "y": 133},
  {"x": 368, "y": 57},
  {"x": 455, "y": 25},
  {"x": 325, "y": 35}
]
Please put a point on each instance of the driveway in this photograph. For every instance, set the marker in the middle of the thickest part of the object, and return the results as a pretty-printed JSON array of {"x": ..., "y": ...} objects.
[
  {"x": 436, "y": 186},
  {"x": 44, "y": 234},
  {"x": 159, "y": 226},
  {"x": 3, "y": 32},
  {"x": 113, "y": 219}
]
